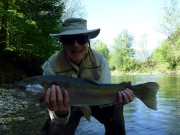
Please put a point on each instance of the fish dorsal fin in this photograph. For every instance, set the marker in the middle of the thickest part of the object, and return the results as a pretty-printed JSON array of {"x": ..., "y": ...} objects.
[{"x": 86, "y": 110}]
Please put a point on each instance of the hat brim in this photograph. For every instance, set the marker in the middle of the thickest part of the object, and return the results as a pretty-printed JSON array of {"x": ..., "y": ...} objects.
[{"x": 92, "y": 33}]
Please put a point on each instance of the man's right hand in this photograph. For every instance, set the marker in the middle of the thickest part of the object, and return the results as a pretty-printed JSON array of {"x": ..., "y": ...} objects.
[{"x": 57, "y": 100}]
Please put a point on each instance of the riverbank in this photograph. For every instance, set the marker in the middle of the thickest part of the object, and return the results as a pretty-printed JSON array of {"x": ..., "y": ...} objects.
[
  {"x": 18, "y": 117},
  {"x": 117, "y": 73}
]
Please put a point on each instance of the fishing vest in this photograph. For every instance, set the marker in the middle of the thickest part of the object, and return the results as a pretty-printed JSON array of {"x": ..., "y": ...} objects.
[{"x": 90, "y": 68}]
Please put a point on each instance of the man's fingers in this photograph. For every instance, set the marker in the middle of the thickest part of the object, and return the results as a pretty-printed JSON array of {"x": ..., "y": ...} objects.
[
  {"x": 53, "y": 97},
  {"x": 66, "y": 99},
  {"x": 47, "y": 97},
  {"x": 120, "y": 98},
  {"x": 62, "y": 100},
  {"x": 129, "y": 94},
  {"x": 125, "y": 97},
  {"x": 59, "y": 97},
  {"x": 56, "y": 99}
]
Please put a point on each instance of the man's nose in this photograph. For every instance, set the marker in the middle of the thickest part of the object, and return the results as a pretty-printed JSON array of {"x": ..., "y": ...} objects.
[{"x": 76, "y": 44}]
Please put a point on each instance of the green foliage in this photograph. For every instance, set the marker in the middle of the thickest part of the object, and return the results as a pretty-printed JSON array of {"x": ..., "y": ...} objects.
[
  {"x": 102, "y": 47},
  {"x": 31, "y": 24},
  {"x": 25, "y": 26},
  {"x": 169, "y": 51},
  {"x": 160, "y": 53},
  {"x": 122, "y": 56}
]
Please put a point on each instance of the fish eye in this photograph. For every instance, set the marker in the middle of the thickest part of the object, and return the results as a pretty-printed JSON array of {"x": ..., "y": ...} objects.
[{"x": 38, "y": 87}]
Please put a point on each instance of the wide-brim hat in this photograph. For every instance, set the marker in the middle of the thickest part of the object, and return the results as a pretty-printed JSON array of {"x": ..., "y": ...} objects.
[{"x": 75, "y": 26}]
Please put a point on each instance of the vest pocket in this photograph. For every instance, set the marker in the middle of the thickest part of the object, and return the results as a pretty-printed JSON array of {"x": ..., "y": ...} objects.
[{"x": 91, "y": 73}]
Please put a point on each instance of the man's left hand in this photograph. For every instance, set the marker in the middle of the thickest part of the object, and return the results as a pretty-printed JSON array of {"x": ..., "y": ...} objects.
[{"x": 126, "y": 96}]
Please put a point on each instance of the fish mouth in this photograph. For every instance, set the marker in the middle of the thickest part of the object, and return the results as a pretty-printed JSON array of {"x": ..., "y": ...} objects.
[{"x": 29, "y": 88}]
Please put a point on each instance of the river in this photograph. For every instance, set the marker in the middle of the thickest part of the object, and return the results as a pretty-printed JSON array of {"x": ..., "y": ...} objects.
[{"x": 139, "y": 119}]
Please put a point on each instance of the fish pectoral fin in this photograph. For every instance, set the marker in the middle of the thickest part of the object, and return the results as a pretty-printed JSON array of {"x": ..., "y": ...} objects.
[{"x": 86, "y": 110}]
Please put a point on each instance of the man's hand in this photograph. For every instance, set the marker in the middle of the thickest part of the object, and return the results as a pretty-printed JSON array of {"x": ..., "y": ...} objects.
[
  {"x": 126, "y": 96},
  {"x": 57, "y": 100}
]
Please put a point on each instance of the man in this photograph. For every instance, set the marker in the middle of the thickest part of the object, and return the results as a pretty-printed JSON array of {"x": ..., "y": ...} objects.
[{"x": 78, "y": 60}]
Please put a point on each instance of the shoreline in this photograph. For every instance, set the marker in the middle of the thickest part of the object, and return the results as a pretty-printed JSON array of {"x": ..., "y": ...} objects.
[{"x": 117, "y": 73}]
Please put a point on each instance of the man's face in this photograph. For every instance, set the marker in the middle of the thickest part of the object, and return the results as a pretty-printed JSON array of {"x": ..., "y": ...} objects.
[{"x": 76, "y": 47}]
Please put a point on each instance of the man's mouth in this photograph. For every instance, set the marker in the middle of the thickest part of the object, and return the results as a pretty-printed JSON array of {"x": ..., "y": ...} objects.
[{"x": 76, "y": 51}]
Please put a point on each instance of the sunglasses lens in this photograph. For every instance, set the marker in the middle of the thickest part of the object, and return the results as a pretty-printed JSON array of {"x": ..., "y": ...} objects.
[
  {"x": 69, "y": 40},
  {"x": 82, "y": 40}
]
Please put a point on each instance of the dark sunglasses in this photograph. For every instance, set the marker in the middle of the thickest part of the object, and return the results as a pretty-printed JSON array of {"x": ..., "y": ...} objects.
[{"x": 69, "y": 40}]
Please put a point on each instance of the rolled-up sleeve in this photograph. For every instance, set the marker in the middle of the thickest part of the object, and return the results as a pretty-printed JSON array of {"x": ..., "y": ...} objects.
[{"x": 57, "y": 120}]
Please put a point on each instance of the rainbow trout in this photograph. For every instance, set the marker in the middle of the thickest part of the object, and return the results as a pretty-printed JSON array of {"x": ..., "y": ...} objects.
[{"x": 85, "y": 93}]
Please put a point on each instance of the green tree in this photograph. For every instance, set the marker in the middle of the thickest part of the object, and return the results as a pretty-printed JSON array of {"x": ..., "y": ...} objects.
[
  {"x": 25, "y": 26},
  {"x": 170, "y": 26},
  {"x": 167, "y": 54},
  {"x": 31, "y": 24},
  {"x": 102, "y": 47},
  {"x": 122, "y": 56},
  {"x": 4, "y": 6}
]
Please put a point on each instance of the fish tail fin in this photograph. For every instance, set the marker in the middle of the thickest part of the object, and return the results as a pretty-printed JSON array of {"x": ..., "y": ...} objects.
[{"x": 147, "y": 94}]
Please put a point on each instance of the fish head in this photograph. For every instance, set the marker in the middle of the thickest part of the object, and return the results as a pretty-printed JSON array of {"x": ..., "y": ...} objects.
[
  {"x": 28, "y": 87},
  {"x": 32, "y": 85}
]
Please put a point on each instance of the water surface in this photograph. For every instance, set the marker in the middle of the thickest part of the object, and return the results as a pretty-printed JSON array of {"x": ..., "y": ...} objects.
[{"x": 139, "y": 119}]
